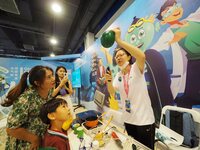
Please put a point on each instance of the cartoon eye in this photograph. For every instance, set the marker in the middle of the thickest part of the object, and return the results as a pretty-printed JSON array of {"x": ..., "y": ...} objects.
[
  {"x": 133, "y": 38},
  {"x": 141, "y": 34},
  {"x": 170, "y": 10},
  {"x": 178, "y": 5}
]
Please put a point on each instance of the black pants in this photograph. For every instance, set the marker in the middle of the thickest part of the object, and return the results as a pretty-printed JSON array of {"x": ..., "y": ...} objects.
[{"x": 144, "y": 134}]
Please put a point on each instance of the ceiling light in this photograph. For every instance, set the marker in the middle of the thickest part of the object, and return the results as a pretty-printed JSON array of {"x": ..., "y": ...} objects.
[
  {"x": 53, "y": 41},
  {"x": 52, "y": 55},
  {"x": 56, "y": 7}
]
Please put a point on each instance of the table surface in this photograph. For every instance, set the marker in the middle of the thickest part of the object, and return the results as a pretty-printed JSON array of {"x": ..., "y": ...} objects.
[
  {"x": 75, "y": 143},
  {"x": 110, "y": 144}
]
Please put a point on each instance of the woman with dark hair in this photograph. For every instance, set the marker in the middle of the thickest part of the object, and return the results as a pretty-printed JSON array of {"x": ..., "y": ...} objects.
[
  {"x": 63, "y": 86},
  {"x": 24, "y": 126},
  {"x": 130, "y": 82}
]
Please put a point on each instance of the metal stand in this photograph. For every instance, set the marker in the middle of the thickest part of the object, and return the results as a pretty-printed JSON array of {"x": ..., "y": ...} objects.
[{"x": 79, "y": 101}]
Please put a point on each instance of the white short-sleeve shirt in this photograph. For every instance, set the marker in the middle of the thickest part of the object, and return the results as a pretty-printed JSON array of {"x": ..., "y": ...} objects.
[{"x": 141, "y": 110}]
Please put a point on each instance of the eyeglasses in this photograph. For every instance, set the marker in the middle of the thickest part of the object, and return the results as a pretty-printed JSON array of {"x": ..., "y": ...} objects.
[
  {"x": 119, "y": 55},
  {"x": 171, "y": 10},
  {"x": 138, "y": 24}
]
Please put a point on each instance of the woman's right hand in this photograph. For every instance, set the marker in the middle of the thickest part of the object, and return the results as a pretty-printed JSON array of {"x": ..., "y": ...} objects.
[
  {"x": 64, "y": 81},
  {"x": 108, "y": 76}
]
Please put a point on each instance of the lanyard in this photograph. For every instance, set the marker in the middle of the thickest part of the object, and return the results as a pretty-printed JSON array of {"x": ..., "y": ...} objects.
[{"x": 126, "y": 85}]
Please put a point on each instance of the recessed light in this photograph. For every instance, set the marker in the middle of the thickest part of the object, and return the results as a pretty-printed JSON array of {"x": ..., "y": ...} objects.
[
  {"x": 53, "y": 41},
  {"x": 52, "y": 55},
  {"x": 56, "y": 7}
]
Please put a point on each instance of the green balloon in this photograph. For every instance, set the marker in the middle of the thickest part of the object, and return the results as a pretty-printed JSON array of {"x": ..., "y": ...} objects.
[{"x": 108, "y": 39}]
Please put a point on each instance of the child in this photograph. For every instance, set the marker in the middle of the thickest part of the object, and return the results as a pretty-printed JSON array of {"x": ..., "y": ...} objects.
[{"x": 56, "y": 113}]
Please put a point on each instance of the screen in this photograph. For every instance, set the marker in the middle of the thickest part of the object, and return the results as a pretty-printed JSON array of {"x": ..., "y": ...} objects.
[
  {"x": 99, "y": 98},
  {"x": 76, "y": 78}
]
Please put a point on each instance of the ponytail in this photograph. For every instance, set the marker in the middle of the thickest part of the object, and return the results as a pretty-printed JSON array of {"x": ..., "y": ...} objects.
[
  {"x": 17, "y": 90},
  {"x": 37, "y": 73}
]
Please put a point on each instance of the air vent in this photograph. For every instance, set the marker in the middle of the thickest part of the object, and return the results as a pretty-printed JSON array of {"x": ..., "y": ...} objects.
[{"x": 9, "y": 6}]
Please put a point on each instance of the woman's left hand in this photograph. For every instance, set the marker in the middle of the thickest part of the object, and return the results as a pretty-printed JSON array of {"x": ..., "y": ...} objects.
[
  {"x": 35, "y": 143},
  {"x": 117, "y": 34}
]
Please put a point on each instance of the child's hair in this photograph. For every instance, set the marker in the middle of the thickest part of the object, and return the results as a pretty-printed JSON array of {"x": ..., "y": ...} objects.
[{"x": 50, "y": 107}]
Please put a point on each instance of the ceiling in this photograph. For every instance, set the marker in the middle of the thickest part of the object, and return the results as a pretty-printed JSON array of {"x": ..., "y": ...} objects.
[{"x": 26, "y": 26}]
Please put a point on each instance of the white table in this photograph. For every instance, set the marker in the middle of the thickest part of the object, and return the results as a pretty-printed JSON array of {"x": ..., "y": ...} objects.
[{"x": 110, "y": 144}]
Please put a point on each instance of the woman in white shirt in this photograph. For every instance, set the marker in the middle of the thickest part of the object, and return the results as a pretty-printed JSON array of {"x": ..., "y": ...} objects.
[{"x": 138, "y": 114}]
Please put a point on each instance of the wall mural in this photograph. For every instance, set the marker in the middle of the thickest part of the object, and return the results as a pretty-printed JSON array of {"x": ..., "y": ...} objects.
[{"x": 168, "y": 32}]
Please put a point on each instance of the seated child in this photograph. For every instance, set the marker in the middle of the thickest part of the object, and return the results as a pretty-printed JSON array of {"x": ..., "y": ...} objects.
[{"x": 56, "y": 113}]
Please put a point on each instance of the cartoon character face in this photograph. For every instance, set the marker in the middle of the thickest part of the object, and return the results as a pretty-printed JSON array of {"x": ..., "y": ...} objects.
[
  {"x": 140, "y": 34},
  {"x": 172, "y": 13}
]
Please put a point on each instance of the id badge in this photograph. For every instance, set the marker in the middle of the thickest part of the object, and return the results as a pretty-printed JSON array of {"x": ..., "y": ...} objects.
[{"x": 128, "y": 105}]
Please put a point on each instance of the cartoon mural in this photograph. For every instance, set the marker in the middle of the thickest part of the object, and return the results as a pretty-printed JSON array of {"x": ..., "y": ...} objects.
[
  {"x": 183, "y": 35},
  {"x": 88, "y": 92},
  {"x": 101, "y": 81},
  {"x": 4, "y": 85},
  {"x": 170, "y": 41}
]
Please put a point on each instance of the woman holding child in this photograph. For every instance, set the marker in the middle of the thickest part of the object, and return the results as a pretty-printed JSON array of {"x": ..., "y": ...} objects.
[{"x": 24, "y": 127}]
